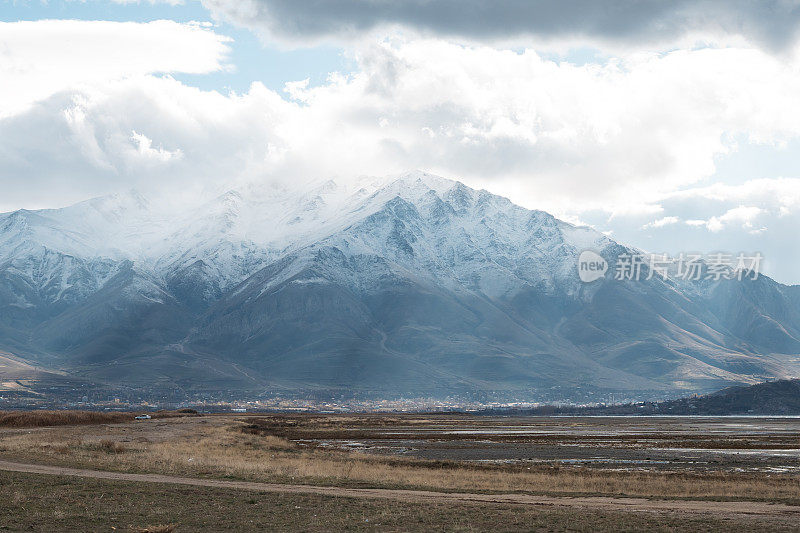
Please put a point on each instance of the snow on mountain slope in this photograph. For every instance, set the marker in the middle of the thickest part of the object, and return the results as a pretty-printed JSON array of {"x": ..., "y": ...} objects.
[
  {"x": 437, "y": 228},
  {"x": 115, "y": 227},
  {"x": 366, "y": 280},
  {"x": 242, "y": 230}
]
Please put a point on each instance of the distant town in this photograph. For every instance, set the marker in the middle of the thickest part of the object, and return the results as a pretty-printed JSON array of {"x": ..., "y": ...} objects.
[{"x": 89, "y": 397}]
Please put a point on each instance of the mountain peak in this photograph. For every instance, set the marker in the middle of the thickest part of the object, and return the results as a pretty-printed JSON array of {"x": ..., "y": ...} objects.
[
  {"x": 111, "y": 205},
  {"x": 415, "y": 282},
  {"x": 418, "y": 179}
]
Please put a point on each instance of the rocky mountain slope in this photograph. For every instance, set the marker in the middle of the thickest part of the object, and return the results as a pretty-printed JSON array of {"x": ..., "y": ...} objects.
[{"x": 413, "y": 285}]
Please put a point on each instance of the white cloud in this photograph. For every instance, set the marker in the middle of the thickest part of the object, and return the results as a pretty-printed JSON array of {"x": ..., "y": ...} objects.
[
  {"x": 661, "y": 222},
  {"x": 619, "y": 137},
  {"x": 145, "y": 148},
  {"x": 696, "y": 222},
  {"x": 145, "y": 132},
  {"x": 759, "y": 215},
  {"x": 742, "y": 216},
  {"x": 41, "y": 58},
  {"x": 555, "y": 135},
  {"x": 774, "y": 194}
]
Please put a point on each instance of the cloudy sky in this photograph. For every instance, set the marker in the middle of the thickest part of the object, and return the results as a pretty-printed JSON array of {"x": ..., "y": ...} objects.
[{"x": 672, "y": 126}]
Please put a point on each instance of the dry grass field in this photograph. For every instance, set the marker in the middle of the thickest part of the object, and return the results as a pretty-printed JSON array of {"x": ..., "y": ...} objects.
[
  {"x": 68, "y": 504},
  {"x": 282, "y": 449},
  {"x": 235, "y": 447}
]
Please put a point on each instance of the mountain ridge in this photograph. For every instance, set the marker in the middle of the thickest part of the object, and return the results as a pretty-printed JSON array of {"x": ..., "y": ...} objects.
[{"x": 414, "y": 285}]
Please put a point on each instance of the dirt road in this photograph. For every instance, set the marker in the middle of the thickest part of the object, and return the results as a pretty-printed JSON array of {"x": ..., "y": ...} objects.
[{"x": 719, "y": 509}]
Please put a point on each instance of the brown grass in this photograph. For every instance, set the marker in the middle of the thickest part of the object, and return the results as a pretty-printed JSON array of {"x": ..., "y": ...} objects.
[
  {"x": 27, "y": 419},
  {"x": 217, "y": 447},
  {"x": 112, "y": 446}
]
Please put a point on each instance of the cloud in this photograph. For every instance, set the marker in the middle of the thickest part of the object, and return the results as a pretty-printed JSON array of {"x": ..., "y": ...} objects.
[
  {"x": 145, "y": 146},
  {"x": 41, "y": 58},
  {"x": 758, "y": 215},
  {"x": 619, "y": 137},
  {"x": 743, "y": 216},
  {"x": 771, "y": 202},
  {"x": 556, "y": 135},
  {"x": 778, "y": 195},
  {"x": 772, "y": 24},
  {"x": 661, "y": 222},
  {"x": 696, "y": 222},
  {"x": 147, "y": 132}
]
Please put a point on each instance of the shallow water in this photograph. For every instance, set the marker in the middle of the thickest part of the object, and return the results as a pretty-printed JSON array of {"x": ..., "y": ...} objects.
[{"x": 736, "y": 444}]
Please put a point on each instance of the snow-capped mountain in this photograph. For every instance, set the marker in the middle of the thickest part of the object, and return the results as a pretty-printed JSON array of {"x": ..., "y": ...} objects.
[{"x": 408, "y": 285}]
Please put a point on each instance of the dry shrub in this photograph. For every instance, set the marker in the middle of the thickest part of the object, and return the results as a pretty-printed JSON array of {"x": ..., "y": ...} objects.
[
  {"x": 63, "y": 448},
  {"x": 27, "y": 419},
  {"x": 111, "y": 446}
]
